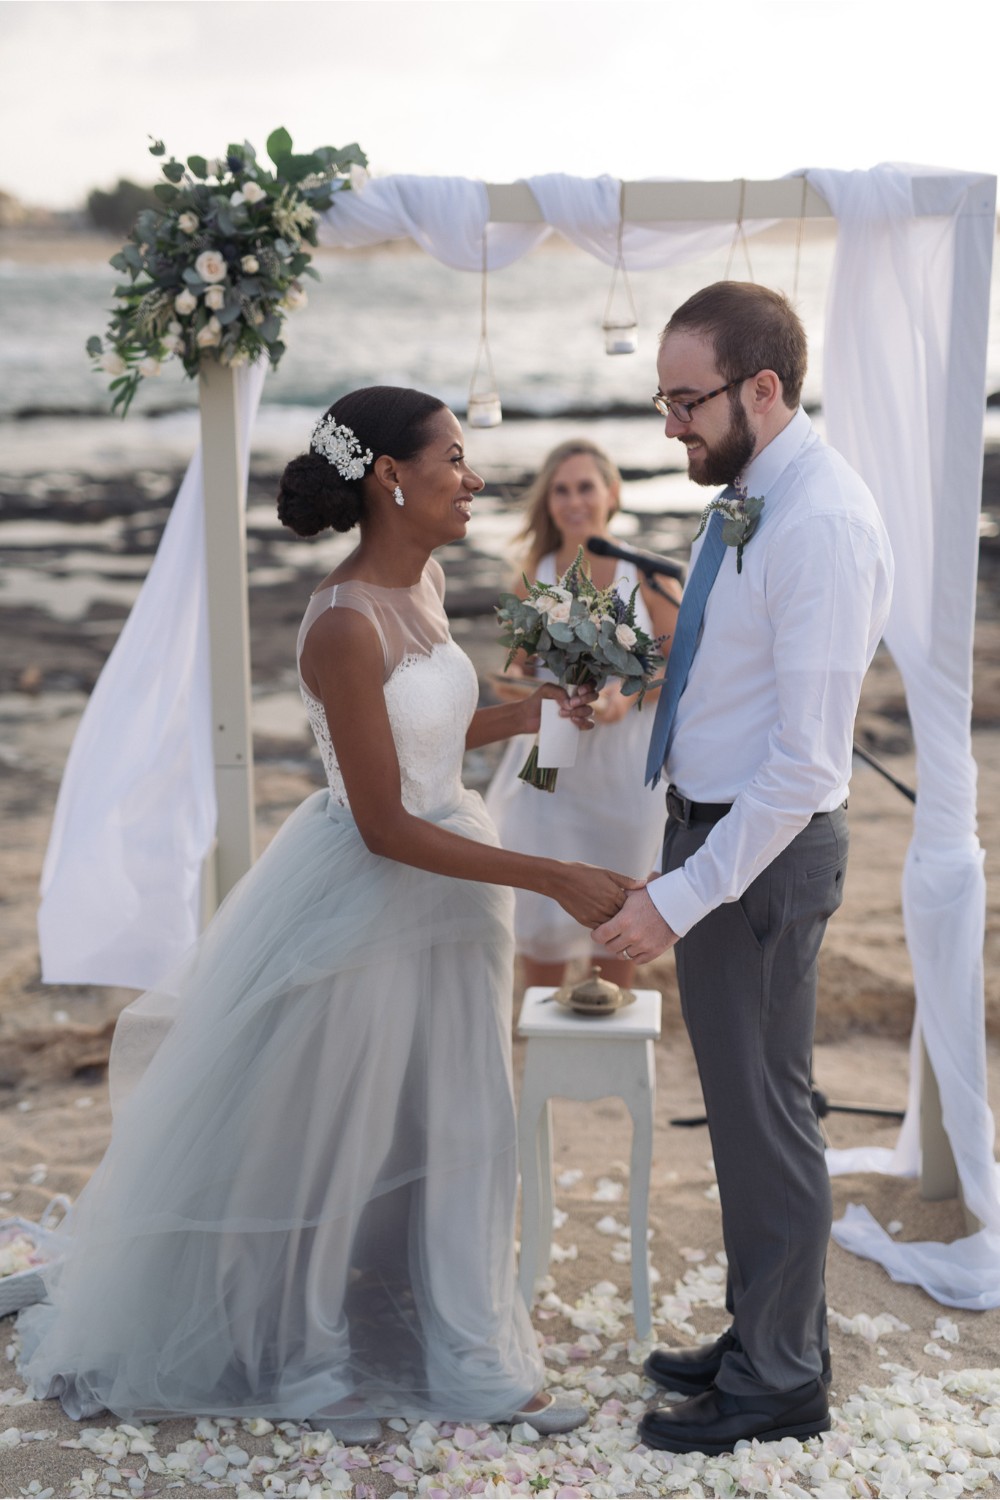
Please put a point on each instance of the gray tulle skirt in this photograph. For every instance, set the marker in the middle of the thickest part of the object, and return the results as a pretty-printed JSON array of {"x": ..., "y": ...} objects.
[{"x": 309, "y": 1194}]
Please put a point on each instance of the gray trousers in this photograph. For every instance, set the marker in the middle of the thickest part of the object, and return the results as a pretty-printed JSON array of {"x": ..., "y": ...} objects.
[{"x": 747, "y": 977}]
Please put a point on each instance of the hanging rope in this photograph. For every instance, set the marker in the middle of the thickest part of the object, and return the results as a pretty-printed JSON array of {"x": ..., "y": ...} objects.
[
  {"x": 739, "y": 235},
  {"x": 798, "y": 240},
  {"x": 484, "y": 405},
  {"x": 611, "y": 325}
]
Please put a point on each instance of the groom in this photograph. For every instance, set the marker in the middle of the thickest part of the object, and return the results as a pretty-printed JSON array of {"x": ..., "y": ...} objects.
[{"x": 784, "y": 607}]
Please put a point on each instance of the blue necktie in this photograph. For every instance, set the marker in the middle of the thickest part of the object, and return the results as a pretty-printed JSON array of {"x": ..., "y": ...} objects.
[{"x": 689, "y": 618}]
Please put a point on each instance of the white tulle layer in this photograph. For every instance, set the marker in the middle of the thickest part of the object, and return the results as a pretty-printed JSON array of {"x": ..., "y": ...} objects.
[{"x": 309, "y": 1194}]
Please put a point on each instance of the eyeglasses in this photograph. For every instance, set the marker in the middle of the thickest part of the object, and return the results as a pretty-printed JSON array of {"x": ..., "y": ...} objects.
[{"x": 681, "y": 410}]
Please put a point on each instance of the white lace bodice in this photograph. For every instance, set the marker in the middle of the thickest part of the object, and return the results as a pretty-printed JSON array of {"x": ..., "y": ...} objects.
[{"x": 431, "y": 690}]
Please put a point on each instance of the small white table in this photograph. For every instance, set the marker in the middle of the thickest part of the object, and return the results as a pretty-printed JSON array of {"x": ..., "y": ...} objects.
[{"x": 585, "y": 1057}]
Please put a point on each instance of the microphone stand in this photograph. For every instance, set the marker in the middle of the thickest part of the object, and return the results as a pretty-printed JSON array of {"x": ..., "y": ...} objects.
[{"x": 649, "y": 572}]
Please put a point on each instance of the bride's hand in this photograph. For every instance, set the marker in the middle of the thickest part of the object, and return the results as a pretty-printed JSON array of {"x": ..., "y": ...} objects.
[
  {"x": 583, "y": 890},
  {"x": 574, "y": 703}
]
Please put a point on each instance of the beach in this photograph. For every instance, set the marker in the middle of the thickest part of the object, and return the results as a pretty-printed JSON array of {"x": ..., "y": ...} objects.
[{"x": 911, "y": 1416}]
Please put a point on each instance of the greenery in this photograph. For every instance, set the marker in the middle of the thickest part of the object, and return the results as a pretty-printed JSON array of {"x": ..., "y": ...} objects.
[{"x": 215, "y": 267}]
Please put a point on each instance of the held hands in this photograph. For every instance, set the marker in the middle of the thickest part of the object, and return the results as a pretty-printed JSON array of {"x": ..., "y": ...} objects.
[
  {"x": 636, "y": 931},
  {"x": 590, "y": 894},
  {"x": 574, "y": 703}
]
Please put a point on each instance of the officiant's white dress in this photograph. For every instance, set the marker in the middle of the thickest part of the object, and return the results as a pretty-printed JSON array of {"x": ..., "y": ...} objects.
[
  {"x": 600, "y": 813},
  {"x": 309, "y": 1193}
]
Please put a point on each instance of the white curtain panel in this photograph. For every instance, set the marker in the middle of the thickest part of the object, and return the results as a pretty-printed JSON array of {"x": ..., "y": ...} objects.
[
  {"x": 446, "y": 216},
  {"x": 903, "y": 394},
  {"x": 135, "y": 816},
  {"x": 586, "y": 211}
]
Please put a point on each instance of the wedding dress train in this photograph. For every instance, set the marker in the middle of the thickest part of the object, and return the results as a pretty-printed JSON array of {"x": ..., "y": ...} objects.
[{"x": 308, "y": 1198}]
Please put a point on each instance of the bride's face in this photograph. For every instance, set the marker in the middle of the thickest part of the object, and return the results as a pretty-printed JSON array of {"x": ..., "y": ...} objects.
[{"x": 439, "y": 483}]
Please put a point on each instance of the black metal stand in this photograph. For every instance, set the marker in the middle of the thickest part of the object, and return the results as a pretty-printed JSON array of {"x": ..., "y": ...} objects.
[{"x": 821, "y": 1108}]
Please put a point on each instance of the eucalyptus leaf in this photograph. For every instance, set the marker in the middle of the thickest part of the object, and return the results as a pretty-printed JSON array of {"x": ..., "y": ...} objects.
[
  {"x": 279, "y": 144},
  {"x": 165, "y": 192},
  {"x": 276, "y": 351},
  {"x": 173, "y": 171},
  {"x": 95, "y": 346},
  {"x": 157, "y": 148},
  {"x": 198, "y": 165},
  {"x": 270, "y": 328},
  {"x": 229, "y": 312}
]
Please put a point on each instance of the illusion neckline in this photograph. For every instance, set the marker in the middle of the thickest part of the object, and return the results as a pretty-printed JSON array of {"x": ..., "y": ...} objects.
[{"x": 384, "y": 588}]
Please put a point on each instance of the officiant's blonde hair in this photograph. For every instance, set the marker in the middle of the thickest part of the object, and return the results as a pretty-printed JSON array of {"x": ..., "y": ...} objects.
[{"x": 539, "y": 531}]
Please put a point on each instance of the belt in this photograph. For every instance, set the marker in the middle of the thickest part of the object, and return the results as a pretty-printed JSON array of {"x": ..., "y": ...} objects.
[{"x": 683, "y": 810}]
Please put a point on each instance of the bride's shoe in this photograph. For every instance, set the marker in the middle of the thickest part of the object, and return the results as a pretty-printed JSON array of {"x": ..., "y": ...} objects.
[
  {"x": 553, "y": 1417},
  {"x": 355, "y": 1432}
]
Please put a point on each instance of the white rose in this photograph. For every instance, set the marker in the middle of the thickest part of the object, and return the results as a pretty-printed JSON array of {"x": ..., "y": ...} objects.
[
  {"x": 173, "y": 344},
  {"x": 211, "y": 266},
  {"x": 187, "y": 222},
  {"x": 295, "y": 297},
  {"x": 149, "y": 367},
  {"x": 559, "y": 612},
  {"x": 250, "y": 264},
  {"x": 253, "y": 192},
  {"x": 236, "y": 199},
  {"x": 185, "y": 302},
  {"x": 112, "y": 363},
  {"x": 358, "y": 178},
  {"x": 209, "y": 336},
  {"x": 215, "y": 298},
  {"x": 625, "y": 636},
  {"x": 174, "y": 327}
]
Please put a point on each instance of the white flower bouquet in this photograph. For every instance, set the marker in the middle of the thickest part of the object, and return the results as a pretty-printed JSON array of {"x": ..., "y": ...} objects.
[
  {"x": 583, "y": 635},
  {"x": 25, "y": 1247},
  {"x": 218, "y": 267}
]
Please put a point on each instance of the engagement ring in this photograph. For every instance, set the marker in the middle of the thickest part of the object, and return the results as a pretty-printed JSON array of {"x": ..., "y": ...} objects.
[{"x": 626, "y": 953}]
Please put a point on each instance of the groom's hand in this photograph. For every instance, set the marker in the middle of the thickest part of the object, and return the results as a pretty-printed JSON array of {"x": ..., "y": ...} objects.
[{"x": 637, "y": 928}]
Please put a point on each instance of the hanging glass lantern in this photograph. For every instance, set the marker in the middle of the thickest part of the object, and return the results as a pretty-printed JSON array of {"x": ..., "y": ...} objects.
[
  {"x": 621, "y": 326},
  {"x": 484, "y": 409}
]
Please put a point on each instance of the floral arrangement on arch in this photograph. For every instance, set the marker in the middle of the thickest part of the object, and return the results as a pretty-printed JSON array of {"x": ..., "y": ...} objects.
[
  {"x": 216, "y": 270},
  {"x": 583, "y": 635}
]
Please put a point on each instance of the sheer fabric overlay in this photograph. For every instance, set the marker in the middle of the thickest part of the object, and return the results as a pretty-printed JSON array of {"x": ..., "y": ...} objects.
[{"x": 309, "y": 1194}]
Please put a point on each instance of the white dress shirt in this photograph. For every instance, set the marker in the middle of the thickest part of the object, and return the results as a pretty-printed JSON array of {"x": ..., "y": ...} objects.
[{"x": 766, "y": 720}]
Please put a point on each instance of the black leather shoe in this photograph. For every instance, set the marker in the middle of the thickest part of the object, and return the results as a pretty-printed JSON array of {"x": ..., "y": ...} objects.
[
  {"x": 716, "y": 1421},
  {"x": 692, "y": 1371}
]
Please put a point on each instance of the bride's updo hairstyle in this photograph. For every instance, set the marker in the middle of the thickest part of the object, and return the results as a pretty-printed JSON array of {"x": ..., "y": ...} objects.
[{"x": 314, "y": 493}]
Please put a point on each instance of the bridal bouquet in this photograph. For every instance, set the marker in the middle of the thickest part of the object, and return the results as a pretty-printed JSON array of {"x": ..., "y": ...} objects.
[
  {"x": 583, "y": 635},
  {"x": 216, "y": 269}
]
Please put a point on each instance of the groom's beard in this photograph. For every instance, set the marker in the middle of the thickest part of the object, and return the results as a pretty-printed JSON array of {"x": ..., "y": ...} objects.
[{"x": 728, "y": 458}]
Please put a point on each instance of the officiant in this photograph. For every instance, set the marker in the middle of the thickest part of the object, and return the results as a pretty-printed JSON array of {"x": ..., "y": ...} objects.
[{"x": 786, "y": 600}]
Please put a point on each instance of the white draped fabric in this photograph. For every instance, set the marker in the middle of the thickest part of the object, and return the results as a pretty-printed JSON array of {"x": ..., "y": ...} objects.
[
  {"x": 135, "y": 817},
  {"x": 903, "y": 395},
  {"x": 903, "y": 384}
]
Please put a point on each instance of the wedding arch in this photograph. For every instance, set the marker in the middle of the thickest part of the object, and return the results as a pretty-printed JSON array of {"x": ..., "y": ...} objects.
[{"x": 156, "y": 802}]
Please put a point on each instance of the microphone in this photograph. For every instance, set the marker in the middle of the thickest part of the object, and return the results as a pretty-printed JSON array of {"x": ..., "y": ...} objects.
[{"x": 646, "y": 562}]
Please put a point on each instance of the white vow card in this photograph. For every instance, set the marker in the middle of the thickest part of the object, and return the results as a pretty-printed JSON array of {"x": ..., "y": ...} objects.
[{"x": 558, "y": 738}]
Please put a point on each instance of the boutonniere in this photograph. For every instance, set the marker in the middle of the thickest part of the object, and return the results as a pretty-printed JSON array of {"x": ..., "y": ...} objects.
[{"x": 742, "y": 515}]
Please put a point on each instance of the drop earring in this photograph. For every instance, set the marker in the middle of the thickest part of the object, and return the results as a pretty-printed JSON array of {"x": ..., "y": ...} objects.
[{"x": 397, "y": 495}]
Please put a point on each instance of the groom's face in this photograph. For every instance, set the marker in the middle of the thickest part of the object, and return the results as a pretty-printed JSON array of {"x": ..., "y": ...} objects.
[{"x": 719, "y": 438}]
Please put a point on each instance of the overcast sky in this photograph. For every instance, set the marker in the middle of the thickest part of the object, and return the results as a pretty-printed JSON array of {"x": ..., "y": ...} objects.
[{"x": 497, "y": 88}]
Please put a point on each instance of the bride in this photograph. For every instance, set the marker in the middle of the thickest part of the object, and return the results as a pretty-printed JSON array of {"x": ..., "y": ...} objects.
[{"x": 307, "y": 1206}]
